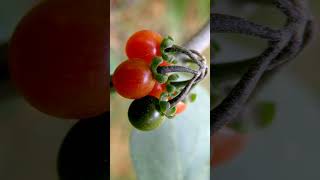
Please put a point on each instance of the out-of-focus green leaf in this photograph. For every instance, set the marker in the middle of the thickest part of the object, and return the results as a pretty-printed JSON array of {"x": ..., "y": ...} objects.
[
  {"x": 176, "y": 11},
  {"x": 179, "y": 149},
  {"x": 266, "y": 112},
  {"x": 204, "y": 8},
  {"x": 193, "y": 97},
  {"x": 177, "y": 8}
]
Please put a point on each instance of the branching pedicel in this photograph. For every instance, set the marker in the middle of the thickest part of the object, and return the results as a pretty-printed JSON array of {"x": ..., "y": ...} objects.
[
  {"x": 284, "y": 45},
  {"x": 169, "y": 50}
]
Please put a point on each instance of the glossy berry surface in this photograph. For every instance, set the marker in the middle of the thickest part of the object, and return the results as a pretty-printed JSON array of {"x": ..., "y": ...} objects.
[
  {"x": 133, "y": 79},
  {"x": 144, "y": 45},
  {"x": 59, "y": 58},
  {"x": 144, "y": 115}
]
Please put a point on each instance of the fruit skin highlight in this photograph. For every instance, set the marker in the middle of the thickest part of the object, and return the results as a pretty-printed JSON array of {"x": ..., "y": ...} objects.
[
  {"x": 143, "y": 113},
  {"x": 181, "y": 107},
  {"x": 133, "y": 79},
  {"x": 59, "y": 58},
  {"x": 144, "y": 44}
]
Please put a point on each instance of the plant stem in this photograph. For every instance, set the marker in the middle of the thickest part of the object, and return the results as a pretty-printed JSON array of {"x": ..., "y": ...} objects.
[
  {"x": 170, "y": 69},
  {"x": 281, "y": 50},
  {"x": 229, "y": 24},
  {"x": 199, "y": 74}
]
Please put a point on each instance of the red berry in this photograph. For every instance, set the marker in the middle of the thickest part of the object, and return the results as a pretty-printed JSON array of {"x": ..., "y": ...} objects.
[
  {"x": 133, "y": 79},
  {"x": 226, "y": 145},
  {"x": 157, "y": 90},
  {"x": 58, "y": 58},
  {"x": 181, "y": 107},
  {"x": 144, "y": 45}
]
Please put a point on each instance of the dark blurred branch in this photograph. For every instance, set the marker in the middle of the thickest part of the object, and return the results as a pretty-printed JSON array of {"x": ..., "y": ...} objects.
[
  {"x": 294, "y": 36},
  {"x": 253, "y": 1},
  {"x": 229, "y": 24},
  {"x": 294, "y": 47}
]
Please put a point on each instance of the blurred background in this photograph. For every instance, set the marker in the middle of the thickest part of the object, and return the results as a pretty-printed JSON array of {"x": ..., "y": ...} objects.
[
  {"x": 30, "y": 140},
  {"x": 177, "y": 18},
  {"x": 288, "y": 148}
]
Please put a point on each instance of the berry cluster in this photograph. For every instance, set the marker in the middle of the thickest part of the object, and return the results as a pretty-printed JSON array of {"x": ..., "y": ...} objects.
[{"x": 149, "y": 77}]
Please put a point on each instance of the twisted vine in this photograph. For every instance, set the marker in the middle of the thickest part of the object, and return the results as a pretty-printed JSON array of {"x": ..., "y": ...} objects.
[{"x": 198, "y": 74}]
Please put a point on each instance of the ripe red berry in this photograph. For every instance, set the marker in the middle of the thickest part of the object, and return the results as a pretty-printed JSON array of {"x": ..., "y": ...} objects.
[
  {"x": 226, "y": 144},
  {"x": 58, "y": 58},
  {"x": 133, "y": 79},
  {"x": 144, "y": 45}
]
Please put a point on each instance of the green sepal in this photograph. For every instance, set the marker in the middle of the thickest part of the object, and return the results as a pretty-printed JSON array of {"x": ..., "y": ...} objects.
[
  {"x": 170, "y": 88},
  {"x": 167, "y": 43},
  {"x": 161, "y": 78},
  {"x": 171, "y": 111},
  {"x": 164, "y": 106},
  {"x": 164, "y": 96},
  {"x": 156, "y": 61},
  {"x": 173, "y": 77}
]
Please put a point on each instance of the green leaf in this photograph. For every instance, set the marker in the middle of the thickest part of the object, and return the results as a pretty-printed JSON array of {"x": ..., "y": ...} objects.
[
  {"x": 193, "y": 97},
  {"x": 266, "y": 113},
  {"x": 179, "y": 149},
  {"x": 164, "y": 106}
]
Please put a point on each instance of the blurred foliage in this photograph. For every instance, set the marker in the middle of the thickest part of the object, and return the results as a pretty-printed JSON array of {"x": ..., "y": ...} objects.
[
  {"x": 177, "y": 18},
  {"x": 266, "y": 112}
]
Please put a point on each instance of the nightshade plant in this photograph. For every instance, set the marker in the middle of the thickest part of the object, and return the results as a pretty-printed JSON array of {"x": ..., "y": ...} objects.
[
  {"x": 147, "y": 112},
  {"x": 284, "y": 44}
]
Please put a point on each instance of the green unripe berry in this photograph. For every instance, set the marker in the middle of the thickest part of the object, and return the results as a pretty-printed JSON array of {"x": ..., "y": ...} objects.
[{"x": 144, "y": 113}]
